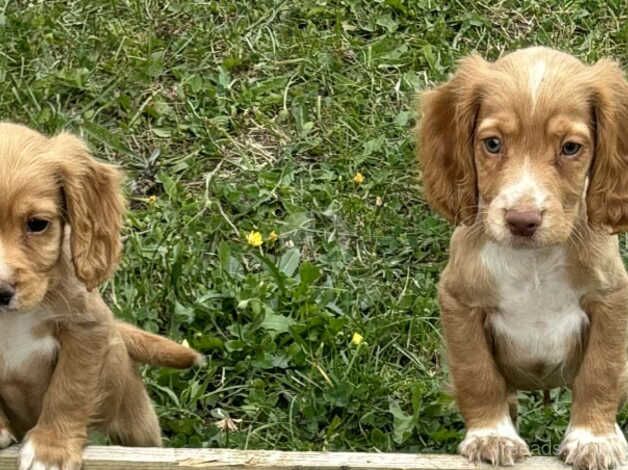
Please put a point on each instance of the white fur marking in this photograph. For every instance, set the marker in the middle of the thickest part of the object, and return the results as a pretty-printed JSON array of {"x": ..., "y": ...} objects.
[
  {"x": 525, "y": 186},
  {"x": 28, "y": 459},
  {"x": 535, "y": 78},
  {"x": 27, "y": 455},
  {"x": 5, "y": 271},
  {"x": 611, "y": 447},
  {"x": 18, "y": 343},
  {"x": 539, "y": 312},
  {"x": 200, "y": 361},
  {"x": 503, "y": 428},
  {"x": 6, "y": 439},
  {"x": 584, "y": 435}
]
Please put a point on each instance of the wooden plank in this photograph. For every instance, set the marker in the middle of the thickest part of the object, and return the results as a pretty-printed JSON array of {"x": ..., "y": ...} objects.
[{"x": 110, "y": 457}]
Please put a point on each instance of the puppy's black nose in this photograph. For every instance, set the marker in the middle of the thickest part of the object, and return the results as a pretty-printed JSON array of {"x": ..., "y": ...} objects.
[
  {"x": 523, "y": 222},
  {"x": 7, "y": 292}
]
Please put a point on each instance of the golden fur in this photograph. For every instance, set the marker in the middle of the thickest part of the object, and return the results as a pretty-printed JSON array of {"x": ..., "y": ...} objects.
[
  {"x": 66, "y": 365},
  {"x": 537, "y": 103}
]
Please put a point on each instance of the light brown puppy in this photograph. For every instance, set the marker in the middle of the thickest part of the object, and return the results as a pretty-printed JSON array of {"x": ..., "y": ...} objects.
[
  {"x": 528, "y": 156},
  {"x": 66, "y": 365}
]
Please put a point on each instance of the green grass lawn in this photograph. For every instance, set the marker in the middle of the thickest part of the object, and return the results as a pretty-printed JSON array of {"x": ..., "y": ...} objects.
[{"x": 232, "y": 116}]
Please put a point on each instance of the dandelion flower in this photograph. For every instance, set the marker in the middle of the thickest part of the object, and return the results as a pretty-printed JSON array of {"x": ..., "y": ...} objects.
[
  {"x": 358, "y": 178},
  {"x": 357, "y": 339},
  {"x": 152, "y": 199},
  {"x": 379, "y": 201},
  {"x": 254, "y": 238},
  {"x": 272, "y": 236}
]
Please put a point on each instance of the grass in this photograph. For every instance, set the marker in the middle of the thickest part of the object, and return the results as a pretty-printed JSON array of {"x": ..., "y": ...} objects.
[{"x": 234, "y": 116}]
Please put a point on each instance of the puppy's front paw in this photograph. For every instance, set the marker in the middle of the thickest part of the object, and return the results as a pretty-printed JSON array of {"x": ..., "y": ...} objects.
[
  {"x": 44, "y": 451},
  {"x": 499, "y": 445},
  {"x": 6, "y": 438},
  {"x": 586, "y": 451}
]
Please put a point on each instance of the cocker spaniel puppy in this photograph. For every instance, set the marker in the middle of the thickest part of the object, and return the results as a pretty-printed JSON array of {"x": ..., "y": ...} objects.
[
  {"x": 66, "y": 365},
  {"x": 528, "y": 156}
]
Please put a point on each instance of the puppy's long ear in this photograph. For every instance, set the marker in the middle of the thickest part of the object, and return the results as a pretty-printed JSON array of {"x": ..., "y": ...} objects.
[
  {"x": 95, "y": 209},
  {"x": 446, "y": 142},
  {"x": 607, "y": 196}
]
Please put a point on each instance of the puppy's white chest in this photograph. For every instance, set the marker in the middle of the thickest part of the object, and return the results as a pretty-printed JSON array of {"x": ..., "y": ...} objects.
[
  {"x": 539, "y": 318},
  {"x": 23, "y": 338}
]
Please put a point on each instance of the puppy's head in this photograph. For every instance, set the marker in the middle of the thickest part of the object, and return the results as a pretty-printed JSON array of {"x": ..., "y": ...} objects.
[
  {"x": 48, "y": 184},
  {"x": 528, "y": 146}
]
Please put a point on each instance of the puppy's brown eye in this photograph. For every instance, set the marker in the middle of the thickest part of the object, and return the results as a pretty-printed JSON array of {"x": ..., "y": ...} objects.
[
  {"x": 493, "y": 145},
  {"x": 570, "y": 148},
  {"x": 35, "y": 225}
]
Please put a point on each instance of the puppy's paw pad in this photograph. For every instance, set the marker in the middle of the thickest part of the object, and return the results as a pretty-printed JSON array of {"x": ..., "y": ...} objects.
[
  {"x": 586, "y": 451},
  {"x": 494, "y": 449},
  {"x": 6, "y": 438}
]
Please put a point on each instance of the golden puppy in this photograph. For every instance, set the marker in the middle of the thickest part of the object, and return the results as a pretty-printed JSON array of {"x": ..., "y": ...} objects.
[
  {"x": 528, "y": 156},
  {"x": 66, "y": 365}
]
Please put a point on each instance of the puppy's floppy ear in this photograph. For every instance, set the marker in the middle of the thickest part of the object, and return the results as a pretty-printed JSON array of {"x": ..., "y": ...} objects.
[
  {"x": 95, "y": 209},
  {"x": 607, "y": 195},
  {"x": 446, "y": 142}
]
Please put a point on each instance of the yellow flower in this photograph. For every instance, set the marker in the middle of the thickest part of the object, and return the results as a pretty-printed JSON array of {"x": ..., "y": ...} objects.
[
  {"x": 272, "y": 236},
  {"x": 185, "y": 344},
  {"x": 357, "y": 339},
  {"x": 254, "y": 239},
  {"x": 358, "y": 178},
  {"x": 152, "y": 199}
]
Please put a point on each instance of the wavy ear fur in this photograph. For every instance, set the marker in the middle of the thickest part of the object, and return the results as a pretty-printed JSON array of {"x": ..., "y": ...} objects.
[
  {"x": 446, "y": 142},
  {"x": 607, "y": 196},
  {"x": 95, "y": 209}
]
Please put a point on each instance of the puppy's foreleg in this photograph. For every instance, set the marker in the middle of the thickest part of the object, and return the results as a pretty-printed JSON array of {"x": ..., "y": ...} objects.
[
  {"x": 72, "y": 398},
  {"x": 593, "y": 439},
  {"x": 481, "y": 391}
]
